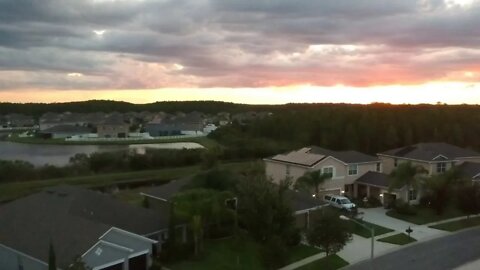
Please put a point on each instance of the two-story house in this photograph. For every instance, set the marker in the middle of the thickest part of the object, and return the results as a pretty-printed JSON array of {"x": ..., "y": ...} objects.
[
  {"x": 435, "y": 158},
  {"x": 344, "y": 167}
]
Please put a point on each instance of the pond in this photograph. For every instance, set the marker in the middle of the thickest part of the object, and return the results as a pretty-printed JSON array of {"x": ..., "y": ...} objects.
[{"x": 41, "y": 154}]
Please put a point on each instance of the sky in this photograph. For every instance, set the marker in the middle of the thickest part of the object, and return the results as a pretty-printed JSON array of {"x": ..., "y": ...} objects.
[{"x": 248, "y": 51}]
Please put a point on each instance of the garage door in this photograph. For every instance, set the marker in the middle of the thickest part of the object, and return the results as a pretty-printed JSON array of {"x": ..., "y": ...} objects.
[{"x": 138, "y": 263}]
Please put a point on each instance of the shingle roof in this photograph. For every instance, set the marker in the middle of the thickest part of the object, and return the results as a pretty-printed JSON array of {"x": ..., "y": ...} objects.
[
  {"x": 167, "y": 191},
  {"x": 374, "y": 179},
  {"x": 73, "y": 218},
  {"x": 469, "y": 169},
  {"x": 429, "y": 151},
  {"x": 67, "y": 129},
  {"x": 345, "y": 156}
]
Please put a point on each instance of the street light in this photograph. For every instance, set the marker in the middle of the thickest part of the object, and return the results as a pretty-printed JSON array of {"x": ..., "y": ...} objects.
[{"x": 372, "y": 232}]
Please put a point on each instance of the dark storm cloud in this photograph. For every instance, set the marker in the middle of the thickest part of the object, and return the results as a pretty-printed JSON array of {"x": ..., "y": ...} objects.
[{"x": 237, "y": 43}]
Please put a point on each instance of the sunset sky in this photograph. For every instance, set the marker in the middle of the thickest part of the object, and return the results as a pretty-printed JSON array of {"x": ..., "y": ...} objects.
[{"x": 248, "y": 51}]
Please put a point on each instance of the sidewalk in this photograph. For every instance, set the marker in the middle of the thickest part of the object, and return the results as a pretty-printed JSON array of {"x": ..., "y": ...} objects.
[{"x": 359, "y": 248}]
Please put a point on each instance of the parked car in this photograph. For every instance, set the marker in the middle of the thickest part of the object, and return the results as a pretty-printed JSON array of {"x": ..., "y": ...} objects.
[{"x": 340, "y": 202}]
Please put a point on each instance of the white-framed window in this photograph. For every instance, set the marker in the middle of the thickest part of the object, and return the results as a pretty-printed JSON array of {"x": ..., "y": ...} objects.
[
  {"x": 328, "y": 170},
  {"x": 353, "y": 169},
  {"x": 379, "y": 167},
  {"x": 412, "y": 195},
  {"x": 441, "y": 167}
]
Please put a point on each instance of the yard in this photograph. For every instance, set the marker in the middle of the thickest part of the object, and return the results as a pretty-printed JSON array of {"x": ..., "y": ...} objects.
[
  {"x": 458, "y": 225},
  {"x": 11, "y": 191},
  {"x": 426, "y": 215},
  {"x": 361, "y": 231},
  {"x": 331, "y": 262},
  {"x": 230, "y": 255},
  {"x": 398, "y": 239}
]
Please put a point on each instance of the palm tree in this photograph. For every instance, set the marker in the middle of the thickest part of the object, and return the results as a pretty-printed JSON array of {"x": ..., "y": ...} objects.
[
  {"x": 408, "y": 175},
  {"x": 312, "y": 179}
]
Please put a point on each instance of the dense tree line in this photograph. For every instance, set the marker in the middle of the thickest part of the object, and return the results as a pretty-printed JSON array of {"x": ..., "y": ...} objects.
[
  {"x": 100, "y": 162},
  {"x": 370, "y": 129}
]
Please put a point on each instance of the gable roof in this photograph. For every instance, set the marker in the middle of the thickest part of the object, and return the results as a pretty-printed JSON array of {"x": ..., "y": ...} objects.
[
  {"x": 374, "y": 179},
  {"x": 168, "y": 190},
  {"x": 72, "y": 218},
  {"x": 309, "y": 156},
  {"x": 469, "y": 170},
  {"x": 431, "y": 151}
]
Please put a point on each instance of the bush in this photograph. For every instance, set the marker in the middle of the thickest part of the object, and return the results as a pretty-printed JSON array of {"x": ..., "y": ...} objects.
[
  {"x": 404, "y": 208},
  {"x": 156, "y": 265},
  {"x": 293, "y": 238},
  {"x": 176, "y": 252}
]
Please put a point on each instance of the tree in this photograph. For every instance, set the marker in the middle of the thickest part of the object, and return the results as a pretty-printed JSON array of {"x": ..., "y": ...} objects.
[
  {"x": 468, "y": 199},
  {"x": 406, "y": 175},
  {"x": 329, "y": 232},
  {"x": 78, "y": 264},
  {"x": 52, "y": 264},
  {"x": 438, "y": 189},
  {"x": 312, "y": 180}
]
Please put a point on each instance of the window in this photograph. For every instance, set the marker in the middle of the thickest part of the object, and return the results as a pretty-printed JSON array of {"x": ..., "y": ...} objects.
[
  {"x": 412, "y": 195},
  {"x": 441, "y": 167},
  {"x": 328, "y": 170},
  {"x": 395, "y": 162},
  {"x": 379, "y": 167},
  {"x": 353, "y": 169},
  {"x": 287, "y": 171}
]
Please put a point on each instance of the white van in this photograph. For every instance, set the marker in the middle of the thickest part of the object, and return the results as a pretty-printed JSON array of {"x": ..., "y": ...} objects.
[{"x": 340, "y": 202}]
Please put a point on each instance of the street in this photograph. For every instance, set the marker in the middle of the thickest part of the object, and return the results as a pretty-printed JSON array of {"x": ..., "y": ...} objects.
[{"x": 440, "y": 254}]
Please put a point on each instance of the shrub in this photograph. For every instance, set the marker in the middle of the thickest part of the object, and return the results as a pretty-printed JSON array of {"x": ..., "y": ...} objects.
[
  {"x": 156, "y": 265},
  {"x": 404, "y": 208},
  {"x": 293, "y": 238},
  {"x": 274, "y": 253}
]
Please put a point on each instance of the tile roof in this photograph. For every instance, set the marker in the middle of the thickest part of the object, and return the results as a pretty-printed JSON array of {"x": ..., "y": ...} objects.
[{"x": 430, "y": 151}]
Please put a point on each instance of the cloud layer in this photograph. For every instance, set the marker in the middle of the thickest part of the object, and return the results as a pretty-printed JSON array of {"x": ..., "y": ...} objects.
[{"x": 142, "y": 44}]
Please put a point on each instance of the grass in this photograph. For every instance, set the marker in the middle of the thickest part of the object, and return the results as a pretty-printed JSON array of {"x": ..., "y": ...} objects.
[
  {"x": 204, "y": 141},
  {"x": 361, "y": 231},
  {"x": 426, "y": 215},
  {"x": 331, "y": 262},
  {"x": 11, "y": 191},
  {"x": 398, "y": 239},
  {"x": 458, "y": 225},
  {"x": 225, "y": 253}
]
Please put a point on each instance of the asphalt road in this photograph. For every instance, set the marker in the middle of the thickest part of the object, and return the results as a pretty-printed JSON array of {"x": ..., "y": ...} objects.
[{"x": 439, "y": 254}]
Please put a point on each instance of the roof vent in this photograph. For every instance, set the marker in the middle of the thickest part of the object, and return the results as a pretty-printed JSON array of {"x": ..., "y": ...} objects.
[{"x": 98, "y": 251}]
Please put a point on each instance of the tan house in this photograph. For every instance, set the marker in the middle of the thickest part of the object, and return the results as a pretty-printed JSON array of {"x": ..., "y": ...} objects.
[
  {"x": 435, "y": 158},
  {"x": 113, "y": 127},
  {"x": 344, "y": 166}
]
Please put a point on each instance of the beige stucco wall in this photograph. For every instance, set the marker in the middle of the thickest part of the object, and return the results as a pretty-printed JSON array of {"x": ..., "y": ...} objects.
[{"x": 278, "y": 172}]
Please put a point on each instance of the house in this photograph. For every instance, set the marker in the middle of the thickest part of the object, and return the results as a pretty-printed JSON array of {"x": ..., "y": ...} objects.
[
  {"x": 344, "y": 167},
  {"x": 108, "y": 234},
  {"x": 64, "y": 131},
  {"x": 434, "y": 157},
  {"x": 179, "y": 124},
  {"x": 113, "y": 126},
  {"x": 19, "y": 120}
]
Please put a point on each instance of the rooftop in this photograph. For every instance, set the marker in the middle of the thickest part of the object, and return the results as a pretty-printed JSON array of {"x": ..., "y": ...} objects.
[{"x": 431, "y": 152}]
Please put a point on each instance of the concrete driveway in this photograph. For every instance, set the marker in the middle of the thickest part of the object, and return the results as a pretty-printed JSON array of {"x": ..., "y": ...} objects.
[{"x": 420, "y": 232}]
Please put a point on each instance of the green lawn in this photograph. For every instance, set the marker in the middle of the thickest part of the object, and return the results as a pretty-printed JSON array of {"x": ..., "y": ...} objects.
[
  {"x": 359, "y": 230},
  {"x": 331, "y": 262},
  {"x": 426, "y": 215},
  {"x": 458, "y": 225},
  {"x": 225, "y": 253},
  {"x": 206, "y": 142},
  {"x": 398, "y": 239},
  {"x": 10, "y": 191}
]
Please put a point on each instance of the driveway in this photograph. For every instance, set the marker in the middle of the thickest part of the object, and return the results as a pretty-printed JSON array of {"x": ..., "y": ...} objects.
[{"x": 420, "y": 232}]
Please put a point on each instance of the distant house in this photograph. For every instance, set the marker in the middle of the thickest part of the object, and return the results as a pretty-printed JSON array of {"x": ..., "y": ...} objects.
[
  {"x": 180, "y": 124},
  {"x": 113, "y": 126},
  {"x": 64, "y": 131},
  {"x": 344, "y": 167},
  {"x": 108, "y": 234},
  {"x": 3, "y": 122},
  {"x": 19, "y": 120}
]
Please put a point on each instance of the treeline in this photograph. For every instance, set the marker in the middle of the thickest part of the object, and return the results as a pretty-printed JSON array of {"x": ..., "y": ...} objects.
[
  {"x": 370, "y": 129},
  {"x": 210, "y": 107},
  {"x": 100, "y": 162}
]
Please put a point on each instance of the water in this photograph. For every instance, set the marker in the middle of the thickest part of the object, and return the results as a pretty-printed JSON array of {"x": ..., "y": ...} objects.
[{"x": 41, "y": 154}]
